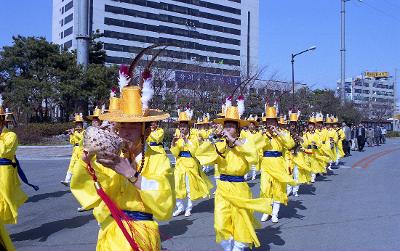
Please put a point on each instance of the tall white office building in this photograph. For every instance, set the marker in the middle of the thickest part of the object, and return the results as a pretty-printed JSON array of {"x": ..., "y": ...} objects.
[{"x": 220, "y": 35}]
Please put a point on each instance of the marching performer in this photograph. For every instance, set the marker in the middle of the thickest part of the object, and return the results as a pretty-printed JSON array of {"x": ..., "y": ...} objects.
[
  {"x": 76, "y": 139},
  {"x": 274, "y": 170},
  {"x": 312, "y": 142},
  {"x": 341, "y": 138},
  {"x": 191, "y": 182},
  {"x": 94, "y": 118},
  {"x": 299, "y": 164},
  {"x": 254, "y": 135},
  {"x": 203, "y": 125},
  {"x": 156, "y": 137},
  {"x": 234, "y": 221},
  {"x": 333, "y": 138},
  {"x": 141, "y": 188},
  {"x": 11, "y": 194}
]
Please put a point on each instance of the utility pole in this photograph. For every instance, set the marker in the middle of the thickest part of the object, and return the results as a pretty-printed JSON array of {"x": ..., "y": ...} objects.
[
  {"x": 82, "y": 38},
  {"x": 343, "y": 48}
]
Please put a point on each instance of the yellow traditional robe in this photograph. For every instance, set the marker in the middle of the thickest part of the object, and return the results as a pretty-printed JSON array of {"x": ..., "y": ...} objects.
[
  {"x": 76, "y": 139},
  {"x": 82, "y": 184},
  {"x": 258, "y": 140},
  {"x": 156, "y": 197},
  {"x": 234, "y": 205},
  {"x": 341, "y": 137},
  {"x": 11, "y": 194},
  {"x": 188, "y": 169},
  {"x": 275, "y": 174},
  {"x": 316, "y": 156},
  {"x": 155, "y": 140}
]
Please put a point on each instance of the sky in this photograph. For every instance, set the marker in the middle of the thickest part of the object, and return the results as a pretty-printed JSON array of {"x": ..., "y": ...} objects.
[{"x": 286, "y": 26}]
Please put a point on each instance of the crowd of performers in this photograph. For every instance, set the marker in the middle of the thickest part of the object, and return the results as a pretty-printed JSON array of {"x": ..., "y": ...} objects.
[{"x": 131, "y": 190}]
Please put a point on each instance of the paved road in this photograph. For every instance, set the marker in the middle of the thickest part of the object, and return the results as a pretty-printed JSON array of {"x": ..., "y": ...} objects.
[{"x": 355, "y": 208}]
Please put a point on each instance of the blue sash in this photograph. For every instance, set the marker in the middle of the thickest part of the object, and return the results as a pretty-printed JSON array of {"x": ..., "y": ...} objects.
[
  {"x": 185, "y": 154},
  {"x": 231, "y": 178},
  {"x": 155, "y": 144},
  {"x": 139, "y": 216},
  {"x": 272, "y": 154},
  {"x": 21, "y": 174}
]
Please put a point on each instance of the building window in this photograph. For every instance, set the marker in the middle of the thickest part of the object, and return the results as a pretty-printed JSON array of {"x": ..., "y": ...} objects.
[
  {"x": 68, "y": 6},
  {"x": 67, "y": 45},
  {"x": 357, "y": 91},
  {"x": 68, "y": 18},
  {"x": 68, "y": 31}
]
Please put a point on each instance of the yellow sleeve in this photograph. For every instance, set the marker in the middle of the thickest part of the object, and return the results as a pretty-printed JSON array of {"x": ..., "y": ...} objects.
[
  {"x": 249, "y": 151},
  {"x": 72, "y": 139},
  {"x": 175, "y": 150},
  {"x": 8, "y": 144},
  {"x": 156, "y": 136},
  {"x": 193, "y": 144},
  {"x": 157, "y": 187},
  {"x": 287, "y": 140},
  {"x": 206, "y": 153}
]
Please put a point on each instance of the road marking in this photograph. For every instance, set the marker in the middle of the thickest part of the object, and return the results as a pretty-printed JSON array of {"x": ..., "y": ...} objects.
[{"x": 367, "y": 161}]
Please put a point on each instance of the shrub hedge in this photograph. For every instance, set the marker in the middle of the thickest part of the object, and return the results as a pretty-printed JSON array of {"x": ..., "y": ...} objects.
[{"x": 38, "y": 133}]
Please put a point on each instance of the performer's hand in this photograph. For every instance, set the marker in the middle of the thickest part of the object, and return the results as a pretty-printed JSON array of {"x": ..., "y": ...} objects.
[
  {"x": 87, "y": 156},
  {"x": 118, "y": 164}
]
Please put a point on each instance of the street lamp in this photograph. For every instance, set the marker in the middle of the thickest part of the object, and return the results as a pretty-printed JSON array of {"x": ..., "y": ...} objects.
[{"x": 293, "y": 56}]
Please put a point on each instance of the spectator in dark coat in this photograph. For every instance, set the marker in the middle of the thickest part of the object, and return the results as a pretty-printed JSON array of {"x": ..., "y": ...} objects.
[{"x": 360, "y": 134}]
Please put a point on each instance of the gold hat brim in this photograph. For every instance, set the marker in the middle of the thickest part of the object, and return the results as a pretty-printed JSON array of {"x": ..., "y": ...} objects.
[
  {"x": 241, "y": 122},
  {"x": 190, "y": 122},
  {"x": 253, "y": 121},
  {"x": 203, "y": 123},
  {"x": 265, "y": 118},
  {"x": 120, "y": 117}
]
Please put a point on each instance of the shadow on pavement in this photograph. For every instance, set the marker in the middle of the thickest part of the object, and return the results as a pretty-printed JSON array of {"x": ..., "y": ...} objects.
[
  {"x": 322, "y": 178},
  {"x": 290, "y": 211},
  {"x": 204, "y": 206},
  {"x": 307, "y": 189},
  {"x": 38, "y": 197},
  {"x": 45, "y": 230},
  {"x": 269, "y": 235},
  {"x": 174, "y": 228}
]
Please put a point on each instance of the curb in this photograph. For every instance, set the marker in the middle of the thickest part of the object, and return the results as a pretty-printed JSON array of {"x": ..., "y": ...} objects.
[{"x": 57, "y": 146}]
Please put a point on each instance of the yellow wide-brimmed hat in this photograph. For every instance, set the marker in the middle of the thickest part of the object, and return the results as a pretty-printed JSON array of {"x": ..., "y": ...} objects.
[
  {"x": 204, "y": 121},
  {"x": 336, "y": 120},
  {"x": 96, "y": 113},
  {"x": 133, "y": 103},
  {"x": 78, "y": 117},
  {"x": 131, "y": 109},
  {"x": 232, "y": 114},
  {"x": 329, "y": 119},
  {"x": 294, "y": 116},
  {"x": 282, "y": 120},
  {"x": 253, "y": 119},
  {"x": 9, "y": 116},
  {"x": 270, "y": 113},
  {"x": 319, "y": 118},
  {"x": 312, "y": 119},
  {"x": 185, "y": 116}
]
